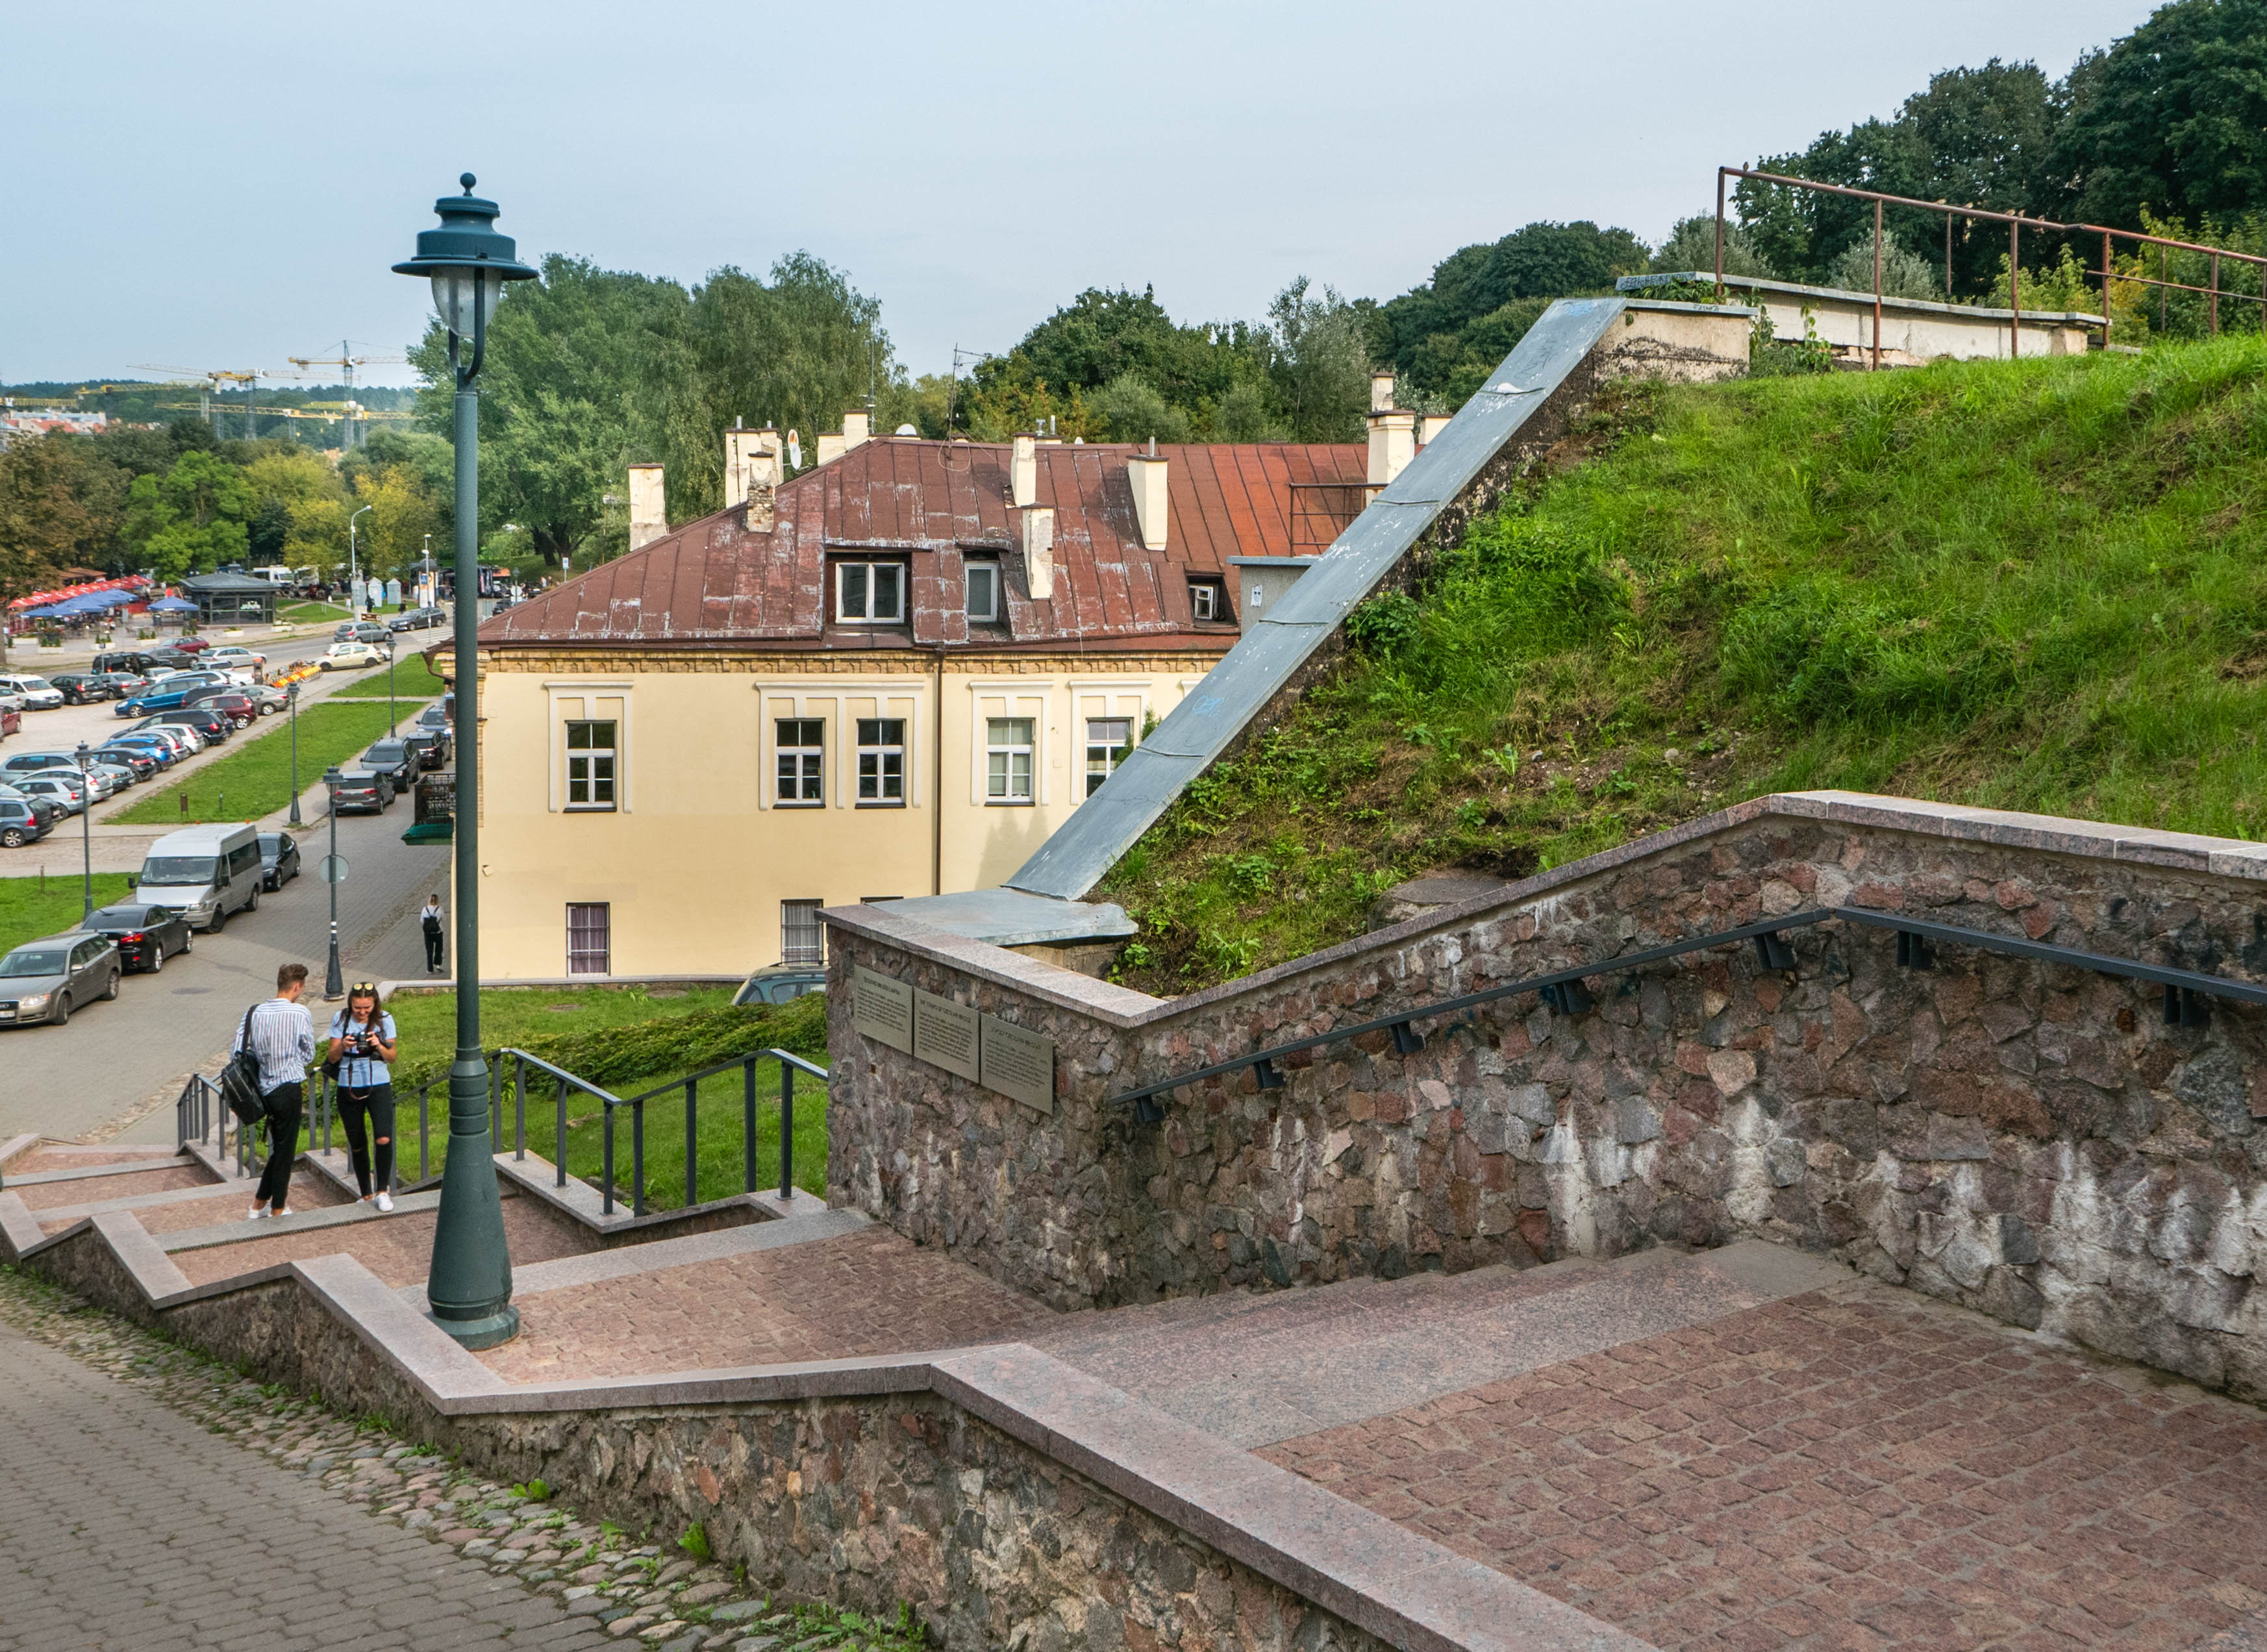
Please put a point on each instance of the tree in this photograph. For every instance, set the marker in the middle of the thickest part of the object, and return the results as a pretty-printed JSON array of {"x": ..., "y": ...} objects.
[
  {"x": 1129, "y": 409},
  {"x": 302, "y": 519},
  {"x": 1058, "y": 368},
  {"x": 191, "y": 518},
  {"x": 402, "y": 514},
  {"x": 1691, "y": 245},
  {"x": 42, "y": 521},
  {"x": 1321, "y": 366},
  {"x": 2172, "y": 117}
]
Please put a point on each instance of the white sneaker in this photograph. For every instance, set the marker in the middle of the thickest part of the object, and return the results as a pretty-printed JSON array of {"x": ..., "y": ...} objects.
[
  {"x": 259, "y": 1213},
  {"x": 285, "y": 1211},
  {"x": 386, "y": 1202}
]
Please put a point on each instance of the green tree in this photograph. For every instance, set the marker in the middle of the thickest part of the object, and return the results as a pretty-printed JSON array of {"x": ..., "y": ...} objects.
[
  {"x": 1129, "y": 409},
  {"x": 1058, "y": 368},
  {"x": 42, "y": 522},
  {"x": 402, "y": 514},
  {"x": 1321, "y": 364},
  {"x": 191, "y": 518},
  {"x": 1691, "y": 245},
  {"x": 2172, "y": 117}
]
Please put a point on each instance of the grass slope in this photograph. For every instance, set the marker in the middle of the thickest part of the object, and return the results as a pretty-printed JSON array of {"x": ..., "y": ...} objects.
[
  {"x": 2036, "y": 586},
  {"x": 413, "y": 679},
  {"x": 250, "y": 782},
  {"x": 33, "y": 905}
]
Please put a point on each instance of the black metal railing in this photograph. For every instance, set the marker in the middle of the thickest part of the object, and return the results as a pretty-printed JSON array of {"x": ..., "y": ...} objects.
[{"x": 1564, "y": 990}]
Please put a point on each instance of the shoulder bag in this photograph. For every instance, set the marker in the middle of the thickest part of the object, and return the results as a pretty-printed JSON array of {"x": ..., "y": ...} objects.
[{"x": 239, "y": 1080}]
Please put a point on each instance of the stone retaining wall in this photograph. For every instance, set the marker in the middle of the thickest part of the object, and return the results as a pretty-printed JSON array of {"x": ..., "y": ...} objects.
[{"x": 2025, "y": 1138}]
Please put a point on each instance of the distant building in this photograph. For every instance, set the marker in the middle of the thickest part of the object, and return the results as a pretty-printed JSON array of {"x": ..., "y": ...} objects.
[{"x": 16, "y": 421}]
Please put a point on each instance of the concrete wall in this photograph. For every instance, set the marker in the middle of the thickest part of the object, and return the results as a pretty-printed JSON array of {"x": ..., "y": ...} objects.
[
  {"x": 695, "y": 859},
  {"x": 2024, "y": 1138},
  {"x": 1684, "y": 343}
]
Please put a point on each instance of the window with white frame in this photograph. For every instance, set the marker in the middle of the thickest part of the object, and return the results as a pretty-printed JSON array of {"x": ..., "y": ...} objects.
[
  {"x": 1207, "y": 600},
  {"x": 802, "y": 758},
  {"x": 1008, "y": 759},
  {"x": 590, "y": 756},
  {"x": 590, "y": 938},
  {"x": 881, "y": 762},
  {"x": 1108, "y": 741},
  {"x": 983, "y": 582},
  {"x": 869, "y": 593},
  {"x": 802, "y": 938}
]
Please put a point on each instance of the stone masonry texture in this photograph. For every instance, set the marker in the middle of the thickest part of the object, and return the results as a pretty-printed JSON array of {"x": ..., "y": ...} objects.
[{"x": 2024, "y": 1138}]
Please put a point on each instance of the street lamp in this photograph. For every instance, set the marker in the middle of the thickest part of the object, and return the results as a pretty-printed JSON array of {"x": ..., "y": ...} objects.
[
  {"x": 335, "y": 980},
  {"x": 291, "y": 699},
  {"x": 85, "y": 833},
  {"x": 469, "y": 1286}
]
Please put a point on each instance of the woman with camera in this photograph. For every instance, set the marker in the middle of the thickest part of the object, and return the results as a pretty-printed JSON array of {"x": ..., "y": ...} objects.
[{"x": 362, "y": 1045}]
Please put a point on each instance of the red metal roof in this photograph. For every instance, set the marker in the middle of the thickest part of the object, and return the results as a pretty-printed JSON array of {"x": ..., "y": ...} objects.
[{"x": 711, "y": 581}]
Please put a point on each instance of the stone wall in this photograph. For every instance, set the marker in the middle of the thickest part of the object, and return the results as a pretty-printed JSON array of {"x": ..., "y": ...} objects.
[{"x": 2026, "y": 1138}]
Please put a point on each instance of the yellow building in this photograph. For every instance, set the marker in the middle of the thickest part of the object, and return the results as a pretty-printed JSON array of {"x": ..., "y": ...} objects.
[{"x": 894, "y": 675}]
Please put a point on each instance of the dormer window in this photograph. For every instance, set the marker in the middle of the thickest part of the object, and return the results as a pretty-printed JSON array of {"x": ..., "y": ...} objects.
[
  {"x": 1207, "y": 600},
  {"x": 983, "y": 578},
  {"x": 869, "y": 593}
]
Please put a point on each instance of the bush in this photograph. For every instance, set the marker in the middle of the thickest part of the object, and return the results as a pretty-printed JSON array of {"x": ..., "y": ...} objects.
[
  {"x": 606, "y": 1056},
  {"x": 1905, "y": 274}
]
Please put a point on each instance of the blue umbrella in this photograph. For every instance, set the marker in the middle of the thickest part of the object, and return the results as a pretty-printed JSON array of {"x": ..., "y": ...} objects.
[{"x": 173, "y": 605}]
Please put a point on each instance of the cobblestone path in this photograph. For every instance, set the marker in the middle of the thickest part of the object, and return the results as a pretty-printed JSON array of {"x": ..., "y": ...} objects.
[{"x": 130, "y": 1527}]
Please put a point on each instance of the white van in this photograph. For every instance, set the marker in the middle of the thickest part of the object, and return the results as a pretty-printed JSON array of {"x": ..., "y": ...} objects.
[{"x": 204, "y": 872}]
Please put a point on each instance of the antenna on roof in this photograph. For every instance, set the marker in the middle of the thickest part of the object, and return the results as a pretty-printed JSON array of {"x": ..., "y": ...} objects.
[{"x": 1152, "y": 447}]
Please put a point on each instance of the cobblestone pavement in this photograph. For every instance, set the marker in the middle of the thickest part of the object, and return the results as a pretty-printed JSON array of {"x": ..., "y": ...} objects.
[
  {"x": 399, "y": 1249},
  {"x": 38, "y": 1196},
  {"x": 1857, "y": 1468},
  {"x": 156, "y": 1501},
  {"x": 865, "y": 1293}
]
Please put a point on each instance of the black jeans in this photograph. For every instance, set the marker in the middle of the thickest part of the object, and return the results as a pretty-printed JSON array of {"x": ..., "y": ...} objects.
[
  {"x": 367, "y": 1113},
  {"x": 432, "y": 949},
  {"x": 285, "y": 1103}
]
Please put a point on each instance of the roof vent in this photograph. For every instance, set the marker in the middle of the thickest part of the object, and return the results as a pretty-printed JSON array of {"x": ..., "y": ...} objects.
[
  {"x": 1023, "y": 473},
  {"x": 1150, "y": 499}
]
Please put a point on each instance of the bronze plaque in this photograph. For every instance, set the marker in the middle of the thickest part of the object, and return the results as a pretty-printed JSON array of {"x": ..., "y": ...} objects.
[
  {"x": 1019, "y": 1065},
  {"x": 882, "y": 1009},
  {"x": 944, "y": 1033}
]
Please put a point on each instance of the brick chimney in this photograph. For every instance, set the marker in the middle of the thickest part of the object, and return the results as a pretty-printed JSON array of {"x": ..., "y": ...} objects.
[
  {"x": 1039, "y": 552},
  {"x": 1147, "y": 473},
  {"x": 753, "y": 467},
  {"x": 1023, "y": 473},
  {"x": 649, "y": 508}
]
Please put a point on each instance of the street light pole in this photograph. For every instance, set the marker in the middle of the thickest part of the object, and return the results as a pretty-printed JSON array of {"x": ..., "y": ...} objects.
[
  {"x": 354, "y": 578},
  {"x": 335, "y": 980},
  {"x": 469, "y": 1286},
  {"x": 291, "y": 699},
  {"x": 86, "y": 835},
  {"x": 393, "y": 716}
]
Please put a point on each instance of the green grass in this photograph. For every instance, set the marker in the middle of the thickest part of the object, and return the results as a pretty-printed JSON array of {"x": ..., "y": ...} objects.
[
  {"x": 622, "y": 1040},
  {"x": 312, "y": 612},
  {"x": 2037, "y": 586},
  {"x": 412, "y": 679},
  {"x": 249, "y": 783},
  {"x": 32, "y": 906}
]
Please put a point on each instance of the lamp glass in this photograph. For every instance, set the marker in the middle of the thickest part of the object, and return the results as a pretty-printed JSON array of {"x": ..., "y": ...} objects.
[{"x": 457, "y": 288}]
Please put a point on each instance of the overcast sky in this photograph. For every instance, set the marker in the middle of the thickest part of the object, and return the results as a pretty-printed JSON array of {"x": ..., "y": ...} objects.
[{"x": 224, "y": 185}]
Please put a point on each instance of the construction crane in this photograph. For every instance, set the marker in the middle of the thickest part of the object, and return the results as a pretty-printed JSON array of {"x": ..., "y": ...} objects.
[
  {"x": 346, "y": 361},
  {"x": 214, "y": 377}
]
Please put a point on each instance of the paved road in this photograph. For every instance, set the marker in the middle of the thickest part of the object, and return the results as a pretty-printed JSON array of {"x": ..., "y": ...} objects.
[{"x": 131, "y": 1529}]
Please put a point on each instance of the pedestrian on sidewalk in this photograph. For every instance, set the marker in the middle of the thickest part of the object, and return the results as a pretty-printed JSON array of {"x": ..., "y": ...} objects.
[
  {"x": 363, "y": 1043},
  {"x": 436, "y": 928},
  {"x": 281, "y": 1035}
]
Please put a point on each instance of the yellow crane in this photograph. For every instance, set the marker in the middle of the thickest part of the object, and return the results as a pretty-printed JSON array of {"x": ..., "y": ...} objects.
[
  {"x": 346, "y": 361},
  {"x": 214, "y": 377}
]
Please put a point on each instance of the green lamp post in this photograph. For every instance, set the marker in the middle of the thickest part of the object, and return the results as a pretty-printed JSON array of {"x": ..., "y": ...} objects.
[{"x": 469, "y": 1286}]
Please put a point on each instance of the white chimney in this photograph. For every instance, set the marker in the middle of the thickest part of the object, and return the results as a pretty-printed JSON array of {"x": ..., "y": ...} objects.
[
  {"x": 752, "y": 473},
  {"x": 857, "y": 430},
  {"x": 1147, "y": 473},
  {"x": 1039, "y": 552},
  {"x": 1023, "y": 473},
  {"x": 1431, "y": 425},
  {"x": 830, "y": 448},
  {"x": 1380, "y": 393},
  {"x": 649, "y": 508},
  {"x": 1393, "y": 444}
]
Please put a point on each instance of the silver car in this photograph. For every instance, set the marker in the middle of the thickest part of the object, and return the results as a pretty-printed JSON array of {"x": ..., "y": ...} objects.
[
  {"x": 44, "y": 981},
  {"x": 59, "y": 786}
]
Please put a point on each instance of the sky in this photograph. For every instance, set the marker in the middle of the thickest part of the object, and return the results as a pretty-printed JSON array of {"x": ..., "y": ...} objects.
[{"x": 226, "y": 186}]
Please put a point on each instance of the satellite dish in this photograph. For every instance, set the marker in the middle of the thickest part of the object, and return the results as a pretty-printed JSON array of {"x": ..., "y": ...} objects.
[
  {"x": 793, "y": 450},
  {"x": 907, "y": 429}
]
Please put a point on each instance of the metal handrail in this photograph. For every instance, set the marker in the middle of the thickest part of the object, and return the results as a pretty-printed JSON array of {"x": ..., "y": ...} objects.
[{"x": 1563, "y": 989}]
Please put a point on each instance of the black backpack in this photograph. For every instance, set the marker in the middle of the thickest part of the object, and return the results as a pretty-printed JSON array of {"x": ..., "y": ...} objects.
[{"x": 239, "y": 1080}]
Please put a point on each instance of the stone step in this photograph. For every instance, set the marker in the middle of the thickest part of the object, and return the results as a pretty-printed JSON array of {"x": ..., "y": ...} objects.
[{"x": 1289, "y": 1364}]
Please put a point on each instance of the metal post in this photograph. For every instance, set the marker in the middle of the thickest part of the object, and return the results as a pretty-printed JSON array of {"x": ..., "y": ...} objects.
[
  {"x": 425, "y": 1133},
  {"x": 335, "y": 980},
  {"x": 393, "y": 716},
  {"x": 1877, "y": 286},
  {"x": 470, "y": 1284},
  {"x": 606, "y": 1176},
  {"x": 637, "y": 1158},
  {"x": 559, "y": 1144},
  {"x": 2162, "y": 254},
  {"x": 691, "y": 1141},
  {"x": 2107, "y": 323},
  {"x": 2214, "y": 300},
  {"x": 748, "y": 1125},
  {"x": 787, "y": 1131},
  {"x": 291, "y": 700},
  {"x": 1947, "y": 258},
  {"x": 86, "y": 835},
  {"x": 1719, "y": 254},
  {"x": 519, "y": 1108},
  {"x": 2014, "y": 291}
]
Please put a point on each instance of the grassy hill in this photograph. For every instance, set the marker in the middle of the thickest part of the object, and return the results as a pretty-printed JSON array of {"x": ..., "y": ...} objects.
[{"x": 2036, "y": 586}]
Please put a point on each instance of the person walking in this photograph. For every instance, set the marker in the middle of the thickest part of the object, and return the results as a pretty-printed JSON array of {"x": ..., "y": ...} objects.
[
  {"x": 280, "y": 1034},
  {"x": 436, "y": 929},
  {"x": 363, "y": 1043}
]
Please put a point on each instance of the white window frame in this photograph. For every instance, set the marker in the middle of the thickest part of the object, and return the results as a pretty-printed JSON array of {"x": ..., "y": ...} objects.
[
  {"x": 790, "y": 910},
  {"x": 881, "y": 750},
  {"x": 1006, "y": 797},
  {"x": 899, "y": 573},
  {"x": 989, "y": 566},
  {"x": 582, "y": 701},
  {"x": 1207, "y": 599},
  {"x": 843, "y": 702},
  {"x": 589, "y": 757},
  {"x": 810, "y": 761},
  {"x": 1111, "y": 760}
]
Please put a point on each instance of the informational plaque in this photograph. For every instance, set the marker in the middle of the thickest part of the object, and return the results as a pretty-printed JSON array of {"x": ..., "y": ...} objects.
[
  {"x": 944, "y": 1033},
  {"x": 1019, "y": 1065},
  {"x": 882, "y": 1009}
]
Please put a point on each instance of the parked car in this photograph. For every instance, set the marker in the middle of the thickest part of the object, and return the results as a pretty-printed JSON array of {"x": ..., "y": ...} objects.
[
  {"x": 239, "y": 707},
  {"x": 45, "y": 980},
  {"x": 214, "y": 725},
  {"x": 23, "y": 819},
  {"x": 187, "y": 741},
  {"x": 164, "y": 694},
  {"x": 17, "y": 764},
  {"x": 164, "y": 753},
  {"x": 437, "y": 715},
  {"x": 430, "y": 745},
  {"x": 136, "y": 761},
  {"x": 349, "y": 656},
  {"x": 268, "y": 697},
  {"x": 191, "y": 644},
  {"x": 394, "y": 760},
  {"x": 146, "y": 936},
  {"x": 204, "y": 872},
  {"x": 361, "y": 792},
  {"x": 239, "y": 659},
  {"x": 372, "y": 631},
  {"x": 37, "y": 692},
  {"x": 123, "y": 685},
  {"x": 12, "y": 719},
  {"x": 82, "y": 689},
  {"x": 131, "y": 661},
  {"x": 168, "y": 659},
  {"x": 417, "y": 620},
  {"x": 778, "y": 984},
  {"x": 279, "y": 858},
  {"x": 61, "y": 786}
]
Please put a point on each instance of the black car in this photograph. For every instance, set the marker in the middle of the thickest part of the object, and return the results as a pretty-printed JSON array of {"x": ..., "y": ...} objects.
[
  {"x": 165, "y": 659},
  {"x": 430, "y": 745},
  {"x": 435, "y": 716},
  {"x": 279, "y": 859},
  {"x": 136, "y": 759},
  {"x": 214, "y": 725},
  {"x": 146, "y": 936},
  {"x": 394, "y": 760},
  {"x": 82, "y": 688},
  {"x": 239, "y": 707},
  {"x": 417, "y": 620},
  {"x": 132, "y": 662},
  {"x": 359, "y": 792},
  {"x": 21, "y": 822}
]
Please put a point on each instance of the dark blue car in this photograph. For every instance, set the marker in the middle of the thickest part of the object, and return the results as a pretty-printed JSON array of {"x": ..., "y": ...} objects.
[
  {"x": 151, "y": 744},
  {"x": 159, "y": 697}
]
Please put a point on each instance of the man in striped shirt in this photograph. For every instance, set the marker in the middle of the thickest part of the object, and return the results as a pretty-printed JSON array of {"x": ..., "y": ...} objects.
[{"x": 281, "y": 1034}]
